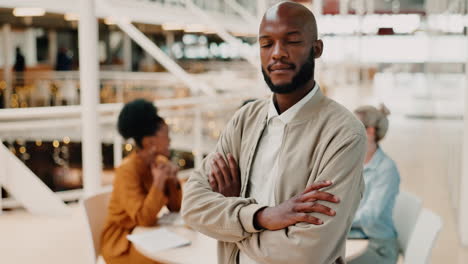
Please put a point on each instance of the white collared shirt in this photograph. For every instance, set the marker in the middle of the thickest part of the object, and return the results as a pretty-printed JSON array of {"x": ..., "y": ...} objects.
[{"x": 264, "y": 172}]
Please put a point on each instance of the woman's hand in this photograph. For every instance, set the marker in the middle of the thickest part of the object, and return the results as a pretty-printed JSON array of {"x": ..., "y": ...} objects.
[
  {"x": 172, "y": 181},
  {"x": 173, "y": 172},
  {"x": 161, "y": 173}
]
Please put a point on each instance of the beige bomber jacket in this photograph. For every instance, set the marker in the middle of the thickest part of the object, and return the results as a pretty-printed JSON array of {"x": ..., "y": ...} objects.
[{"x": 324, "y": 141}]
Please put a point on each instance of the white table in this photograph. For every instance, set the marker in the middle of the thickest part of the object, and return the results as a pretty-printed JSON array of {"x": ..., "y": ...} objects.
[{"x": 203, "y": 248}]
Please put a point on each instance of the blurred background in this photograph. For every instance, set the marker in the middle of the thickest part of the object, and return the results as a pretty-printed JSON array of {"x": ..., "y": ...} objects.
[{"x": 198, "y": 60}]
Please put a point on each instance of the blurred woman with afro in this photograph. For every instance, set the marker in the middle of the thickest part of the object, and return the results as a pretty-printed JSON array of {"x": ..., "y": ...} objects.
[{"x": 144, "y": 183}]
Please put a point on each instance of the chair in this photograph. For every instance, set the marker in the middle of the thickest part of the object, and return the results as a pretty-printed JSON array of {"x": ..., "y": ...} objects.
[
  {"x": 417, "y": 228},
  {"x": 405, "y": 215},
  {"x": 95, "y": 212},
  {"x": 422, "y": 239}
]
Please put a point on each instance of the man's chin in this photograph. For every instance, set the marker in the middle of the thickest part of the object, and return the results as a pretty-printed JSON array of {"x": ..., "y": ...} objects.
[
  {"x": 279, "y": 85},
  {"x": 282, "y": 84},
  {"x": 282, "y": 89},
  {"x": 280, "y": 80}
]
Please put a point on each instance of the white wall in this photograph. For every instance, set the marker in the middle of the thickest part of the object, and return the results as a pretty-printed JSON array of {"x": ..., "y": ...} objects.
[{"x": 395, "y": 49}]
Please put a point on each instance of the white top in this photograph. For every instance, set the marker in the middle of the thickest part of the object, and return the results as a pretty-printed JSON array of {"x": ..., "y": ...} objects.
[{"x": 264, "y": 172}]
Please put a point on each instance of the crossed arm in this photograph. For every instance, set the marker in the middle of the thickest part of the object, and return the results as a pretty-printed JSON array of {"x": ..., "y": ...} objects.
[
  {"x": 225, "y": 179},
  {"x": 304, "y": 226}
]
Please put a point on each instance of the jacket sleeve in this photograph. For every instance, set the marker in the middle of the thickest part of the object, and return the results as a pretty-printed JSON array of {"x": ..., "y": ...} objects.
[
  {"x": 307, "y": 243},
  {"x": 141, "y": 206},
  {"x": 209, "y": 212}
]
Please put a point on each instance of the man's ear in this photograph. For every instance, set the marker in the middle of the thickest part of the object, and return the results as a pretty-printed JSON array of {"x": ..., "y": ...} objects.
[{"x": 318, "y": 48}]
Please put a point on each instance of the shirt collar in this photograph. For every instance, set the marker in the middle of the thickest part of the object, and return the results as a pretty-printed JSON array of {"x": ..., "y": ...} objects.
[
  {"x": 375, "y": 160},
  {"x": 289, "y": 114}
]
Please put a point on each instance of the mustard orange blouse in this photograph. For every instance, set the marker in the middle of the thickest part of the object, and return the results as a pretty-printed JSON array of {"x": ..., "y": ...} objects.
[{"x": 134, "y": 202}]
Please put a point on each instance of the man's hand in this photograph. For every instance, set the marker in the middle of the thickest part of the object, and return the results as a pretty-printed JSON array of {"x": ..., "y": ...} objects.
[
  {"x": 296, "y": 209},
  {"x": 224, "y": 178}
]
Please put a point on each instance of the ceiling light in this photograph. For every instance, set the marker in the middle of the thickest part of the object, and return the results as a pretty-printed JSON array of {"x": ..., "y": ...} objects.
[
  {"x": 109, "y": 21},
  {"x": 244, "y": 34},
  {"x": 195, "y": 28},
  {"x": 28, "y": 12},
  {"x": 172, "y": 26},
  {"x": 71, "y": 17}
]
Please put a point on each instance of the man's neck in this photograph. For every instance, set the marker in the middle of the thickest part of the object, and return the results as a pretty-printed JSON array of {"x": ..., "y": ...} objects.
[{"x": 285, "y": 101}]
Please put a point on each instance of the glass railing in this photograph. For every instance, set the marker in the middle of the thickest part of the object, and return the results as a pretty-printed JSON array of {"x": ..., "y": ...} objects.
[
  {"x": 59, "y": 88},
  {"x": 48, "y": 139}
]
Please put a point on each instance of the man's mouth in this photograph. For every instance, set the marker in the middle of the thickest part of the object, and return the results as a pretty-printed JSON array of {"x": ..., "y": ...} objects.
[{"x": 281, "y": 67}]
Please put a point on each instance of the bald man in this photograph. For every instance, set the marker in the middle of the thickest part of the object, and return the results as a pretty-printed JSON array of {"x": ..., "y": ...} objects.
[{"x": 286, "y": 177}]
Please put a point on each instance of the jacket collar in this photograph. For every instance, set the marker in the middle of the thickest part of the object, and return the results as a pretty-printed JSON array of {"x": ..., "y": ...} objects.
[
  {"x": 288, "y": 115},
  {"x": 310, "y": 108},
  {"x": 306, "y": 111}
]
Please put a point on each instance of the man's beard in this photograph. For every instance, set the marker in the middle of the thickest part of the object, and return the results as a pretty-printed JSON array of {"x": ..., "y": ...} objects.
[{"x": 306, "y": 72}]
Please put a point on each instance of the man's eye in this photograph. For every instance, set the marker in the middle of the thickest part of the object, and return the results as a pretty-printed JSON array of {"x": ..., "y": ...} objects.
[
  {"x": 294, "y": 42},
  {"x": 266, "y": 45}
]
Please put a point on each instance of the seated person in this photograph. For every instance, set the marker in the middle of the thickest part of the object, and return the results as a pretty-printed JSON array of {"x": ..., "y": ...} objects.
[
  {"x": 144, "y": 183},
  {"x": 373, "y": 219}
]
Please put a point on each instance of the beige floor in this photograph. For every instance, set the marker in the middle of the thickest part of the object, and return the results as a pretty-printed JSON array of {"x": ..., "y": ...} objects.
[
  {"x": 421, "y": 148},
  {"x": 40, "y": 239}
]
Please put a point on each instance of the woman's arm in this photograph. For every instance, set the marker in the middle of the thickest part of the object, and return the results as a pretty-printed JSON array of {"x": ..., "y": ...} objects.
[
  {"x": 174, "y": 194},
  {"x": 140, "y": 205}
]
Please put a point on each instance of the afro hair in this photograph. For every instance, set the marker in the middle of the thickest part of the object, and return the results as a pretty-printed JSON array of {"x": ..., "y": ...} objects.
[{"x": 138, "y": 119}]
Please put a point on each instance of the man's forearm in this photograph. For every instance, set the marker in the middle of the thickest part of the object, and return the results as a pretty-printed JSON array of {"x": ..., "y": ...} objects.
[
  {"x": 213, "y": 214},
  {"x": 259, "y": 220}
]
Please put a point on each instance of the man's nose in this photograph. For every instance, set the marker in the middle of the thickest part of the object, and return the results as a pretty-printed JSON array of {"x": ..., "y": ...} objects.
[{"x": 279, "y": 52}]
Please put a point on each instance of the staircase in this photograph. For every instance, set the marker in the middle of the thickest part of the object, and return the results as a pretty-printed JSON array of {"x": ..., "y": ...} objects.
[{"x": 20, "y": 182}]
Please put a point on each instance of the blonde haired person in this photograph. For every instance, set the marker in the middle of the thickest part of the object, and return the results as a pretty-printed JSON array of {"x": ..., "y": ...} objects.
[
  {"x": 373, "y": 219},
  {"x": 144, "y": 183}
]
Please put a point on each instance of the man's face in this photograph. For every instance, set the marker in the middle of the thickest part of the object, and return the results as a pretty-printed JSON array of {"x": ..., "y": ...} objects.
[
  {"x": 305, "y": 73},
  {"x": 287, "y": 54}
]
